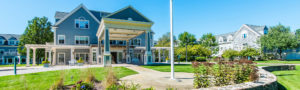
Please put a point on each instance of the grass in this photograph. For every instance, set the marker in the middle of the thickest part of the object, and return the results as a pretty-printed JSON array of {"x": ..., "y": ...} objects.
[
  {"x": 178, "y": 68},
  {"x": 18, "y": 65},
  {"x": 278, "y": 61},
  {"x": 43, "y": 80},
  {"x": 289, "y": 79}
]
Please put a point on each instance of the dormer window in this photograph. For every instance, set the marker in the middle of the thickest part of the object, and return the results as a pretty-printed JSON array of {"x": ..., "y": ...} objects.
[
  {"x": 1, "y": 42},
  {"x": 244, "y": 35},
  {"x": 12, "y": 42},
  {"x": 81, "y": 23}
]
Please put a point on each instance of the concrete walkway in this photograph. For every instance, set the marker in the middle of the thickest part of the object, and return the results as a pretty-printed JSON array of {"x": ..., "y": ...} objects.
[
  {"x": 4, "y": 71},
  {"x": 159, "y": 80}
]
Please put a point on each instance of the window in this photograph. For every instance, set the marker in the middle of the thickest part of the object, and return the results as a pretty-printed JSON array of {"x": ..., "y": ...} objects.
[
  {"x": 1, "y": 42},
  {"x": 84, "y": 56},
  {"x": 244, "y": 35},
  {"x": 1, "y": 51},
  {"x": 81, "y": 23},
  {"x": 12, "y": 42},
  {"x": 61, "y": 39},
  {"x": 84, "y": 40},
  {"x": 136, "y": 42}
]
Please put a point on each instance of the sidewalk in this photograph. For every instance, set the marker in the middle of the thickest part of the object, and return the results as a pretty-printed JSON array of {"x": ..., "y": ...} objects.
[
  {"x": 33, "y": 69},
  {"x": 159, "y": 80}
]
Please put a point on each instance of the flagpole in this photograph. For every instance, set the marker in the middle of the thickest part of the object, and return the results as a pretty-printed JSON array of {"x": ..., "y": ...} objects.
[{"x": 171, "y": 39}]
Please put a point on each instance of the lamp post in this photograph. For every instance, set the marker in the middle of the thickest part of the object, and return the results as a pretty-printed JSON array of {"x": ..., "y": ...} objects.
[{"x": 171, "y": 38}]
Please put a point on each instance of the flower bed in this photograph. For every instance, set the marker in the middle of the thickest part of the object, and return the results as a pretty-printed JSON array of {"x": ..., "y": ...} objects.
[{"x": 223, "y": 73}]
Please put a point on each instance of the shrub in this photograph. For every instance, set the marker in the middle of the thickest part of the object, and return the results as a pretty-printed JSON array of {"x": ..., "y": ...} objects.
[
  {"x": 80, "y": 85},
  {"x": 110, "y": 78},
  {"x": 80, "y": 60},
  {"x": 45, "y": 61},
  {"x": 224, "y": 73},
  {"x": 201, "y": 59},
  {"x": 230, "y": 54}
]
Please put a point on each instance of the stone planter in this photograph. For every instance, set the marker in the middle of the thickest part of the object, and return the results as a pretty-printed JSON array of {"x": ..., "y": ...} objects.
[
  {"x": 46, "y": 65},
  {"x": 80, "y": 64}
]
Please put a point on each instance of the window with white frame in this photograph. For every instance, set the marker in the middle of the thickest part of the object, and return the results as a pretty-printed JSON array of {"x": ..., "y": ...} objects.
[
  {"x": 11, "y": 42},
  {"x": 81, "y": 23},
  {"x": 61, "y": 39},
  {"x": 136, "y": 42},
  {"x": 83, "y": 56},
  {"x": 82, "y": 40}
]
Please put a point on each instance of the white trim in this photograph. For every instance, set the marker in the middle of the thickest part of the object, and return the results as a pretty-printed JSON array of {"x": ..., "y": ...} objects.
[
  {"x": 81, "y": 36},
  {"x": 73, "y": 11},
  {"x": 79, "y": 24},
  {"x": 64, "y": 39}
]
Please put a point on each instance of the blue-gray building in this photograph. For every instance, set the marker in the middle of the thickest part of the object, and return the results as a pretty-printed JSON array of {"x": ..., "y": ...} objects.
[
  {"x": 99, "y": 37},
  {"x": 8, "y": 49}
]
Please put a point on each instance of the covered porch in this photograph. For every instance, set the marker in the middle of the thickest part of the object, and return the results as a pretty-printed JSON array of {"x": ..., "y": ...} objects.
[
  {"x": 117, "y": 29},
  {"x": 54, "y": 56}
]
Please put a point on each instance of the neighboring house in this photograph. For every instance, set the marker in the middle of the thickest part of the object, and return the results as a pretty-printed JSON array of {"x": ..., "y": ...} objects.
[
  {"x": 8, "y": 49},
  {"x": 124, "y": 36},
  {"x": 246, "y": 36}
]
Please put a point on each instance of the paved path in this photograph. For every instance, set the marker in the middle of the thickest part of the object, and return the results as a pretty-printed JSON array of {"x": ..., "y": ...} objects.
[
  {"x": 4, "y": 71},
  {"x": 159, "y": 80},
  {"x": 275, "y": 64}
]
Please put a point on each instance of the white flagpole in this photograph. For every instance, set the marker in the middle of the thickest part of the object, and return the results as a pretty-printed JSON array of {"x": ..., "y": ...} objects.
[{"x": 171, "y": 38}]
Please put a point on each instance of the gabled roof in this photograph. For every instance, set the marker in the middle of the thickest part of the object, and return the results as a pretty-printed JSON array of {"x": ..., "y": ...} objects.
[
  {"x": 73, "y": 11},
  {"x": 256, "y": 28},
  {"x": 128, "y": 12},
  {"x": 9, "y": 36},
  {"x": 60, "y": 15}
]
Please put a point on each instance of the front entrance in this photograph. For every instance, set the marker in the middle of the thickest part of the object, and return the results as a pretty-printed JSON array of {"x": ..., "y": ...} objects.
[
  {"x": 114, "y": 57},
  {"x": 61, "y": 58}
]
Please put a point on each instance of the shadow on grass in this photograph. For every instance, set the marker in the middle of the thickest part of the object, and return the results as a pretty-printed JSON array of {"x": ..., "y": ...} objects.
[
  {"x": 280, "y": 86},
  {"x": 285, "y": 75}
]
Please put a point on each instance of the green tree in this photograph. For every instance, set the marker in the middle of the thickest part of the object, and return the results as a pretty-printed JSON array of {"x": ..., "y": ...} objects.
[
  {"x": 297, "y": 34},
  {"x": 249, "y": 52},
  {"x": 209, "y": 40},
  {"x": 164, "y": 41},
  {"x": 193, "y": 52},
  {"x": 230, "y": 54},
  {"x": 38, "y": 31},
  {"x": 279, "y": 38},
  {"x": 185, "y": 40}
]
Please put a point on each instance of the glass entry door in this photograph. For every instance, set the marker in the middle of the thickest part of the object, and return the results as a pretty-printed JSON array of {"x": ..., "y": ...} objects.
[{"x": 61, "y": 58}]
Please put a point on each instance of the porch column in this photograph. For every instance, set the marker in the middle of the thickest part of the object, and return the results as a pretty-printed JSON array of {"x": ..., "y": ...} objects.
[
  {"x": 72, "y": 54},
  {"x": 54, "y": 57},
  {"x": 27, "y": 56},
  {"x": 20, "y": 60},
  {"x": 50, "y": 55},
  {"x": 91, "y": 56},
  {"x": 153, "y": 53},
  {"x": 2, "y": 59},
  {"x": 98, "y": 51},
  {"x": 159, "y": 56},
  {"x": 34, "y": 57},
  {"x": 128, "y": 59},
  {"x": 148, "y": 53},
  {"x": 107, "y": 55}
]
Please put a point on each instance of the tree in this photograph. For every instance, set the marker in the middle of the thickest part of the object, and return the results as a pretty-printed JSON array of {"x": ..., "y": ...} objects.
[
  {"x": 193, "y": 51},
  {"x": 230, "y": 53},
  {"x": 209, "y": 40},
  {"x": 297, "y": 34},
  {"x": 38, "y": 31},
  {"x": 186, "y": 39},
  {"x": 249, "y": 52},
  {"x": 164, "y": 41},
  {"x": 278, "y": 39}
]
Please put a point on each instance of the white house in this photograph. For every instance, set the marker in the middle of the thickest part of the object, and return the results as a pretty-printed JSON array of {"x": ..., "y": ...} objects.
[{"x": 246, "y": 36}]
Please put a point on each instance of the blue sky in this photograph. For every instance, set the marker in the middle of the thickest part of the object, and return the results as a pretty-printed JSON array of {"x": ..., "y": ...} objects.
[{"x": 195, "y": 16}]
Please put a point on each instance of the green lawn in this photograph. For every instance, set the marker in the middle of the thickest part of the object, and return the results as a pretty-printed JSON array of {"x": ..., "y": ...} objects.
[
  {"x": 18, "y": 65},
  {"x": 289, "y": 79},
  {"x": 43, "y": 80},
  {"x": 167, "y": 68},
  {"x": 278, "y": 61}
]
